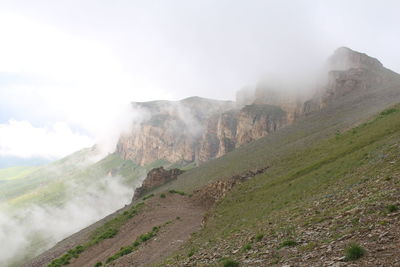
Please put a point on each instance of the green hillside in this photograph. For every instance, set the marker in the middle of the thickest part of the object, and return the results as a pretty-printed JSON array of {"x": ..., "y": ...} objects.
[
  {"x": 22, "y": 186},
  {"x": 333, "y": 184},
  {"x": 12, "y": 173}
]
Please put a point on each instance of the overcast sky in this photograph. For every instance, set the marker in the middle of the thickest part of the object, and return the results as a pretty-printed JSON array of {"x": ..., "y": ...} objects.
[{"x": 68, "y": 69}]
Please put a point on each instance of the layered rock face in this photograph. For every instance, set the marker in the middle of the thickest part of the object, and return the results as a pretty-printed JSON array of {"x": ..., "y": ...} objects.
[
  {"x": 156, "y": 177},
  {"x": 198, "y": 129},
  {"x": 170, "y": 130}
]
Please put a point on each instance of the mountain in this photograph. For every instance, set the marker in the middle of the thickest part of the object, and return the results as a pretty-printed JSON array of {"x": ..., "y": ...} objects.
[
  {"x": 280, "y": 179},
  {"x": 195, "y": 130}
]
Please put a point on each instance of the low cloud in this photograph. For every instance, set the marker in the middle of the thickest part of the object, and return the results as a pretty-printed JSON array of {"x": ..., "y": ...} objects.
[
  {"x": 23, "y": 229},
  {"x": 22, "y": 139}
]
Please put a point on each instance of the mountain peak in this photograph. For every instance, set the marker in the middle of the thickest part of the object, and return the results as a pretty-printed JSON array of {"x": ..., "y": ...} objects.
[{"x": 345, "y": 58}]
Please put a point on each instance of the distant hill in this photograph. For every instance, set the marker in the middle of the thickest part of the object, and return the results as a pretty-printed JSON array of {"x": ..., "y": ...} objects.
[{"x": 9, "y": 161}]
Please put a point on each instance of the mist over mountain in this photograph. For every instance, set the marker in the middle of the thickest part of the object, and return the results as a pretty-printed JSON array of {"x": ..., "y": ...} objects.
[{"x": 199, "y": 133}]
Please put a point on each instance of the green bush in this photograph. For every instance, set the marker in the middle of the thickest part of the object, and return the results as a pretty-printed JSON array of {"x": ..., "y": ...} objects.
[
  {"x": 109, "y": 233},
  {"x": 162, "y": 195},
  {"x": 246, "y": 247},
  {"x": 98, "y": 264},
  {"x": 353, "y": 252},
  {"x": 392, "y": 208}
]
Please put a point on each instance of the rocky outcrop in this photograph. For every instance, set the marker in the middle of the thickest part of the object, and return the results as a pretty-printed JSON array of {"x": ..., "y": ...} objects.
[
  {"x": 210, "y": 194},
  {"x": 348, "y": 71},
  {"x": 156, "y": 177}
]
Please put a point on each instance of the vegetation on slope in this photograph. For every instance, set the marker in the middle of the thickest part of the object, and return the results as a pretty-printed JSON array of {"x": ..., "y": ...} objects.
[
  {"x": 105, "y": 231},
  {"x": 316, "y": 197}
]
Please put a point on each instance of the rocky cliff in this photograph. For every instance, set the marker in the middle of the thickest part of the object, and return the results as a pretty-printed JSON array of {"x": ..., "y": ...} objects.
[
  {"x": 197, "y": 129},
  {"x": 349, "y": 71}
]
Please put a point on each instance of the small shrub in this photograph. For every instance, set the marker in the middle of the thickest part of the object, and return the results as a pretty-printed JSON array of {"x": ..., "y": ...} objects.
[
  {"x": 178, "y": 218},
  {"x": 392, "y": 208},
  {"x": 162, "y": 195},
  {"x": 353, "y": 252},
  {"x": 98, "y": 264},
  {"x": 288, "y": 243},
  {"x": 246, "y": 247},
  {"x": 259, "y": 237},
  {"x": 227, "y": 262}
]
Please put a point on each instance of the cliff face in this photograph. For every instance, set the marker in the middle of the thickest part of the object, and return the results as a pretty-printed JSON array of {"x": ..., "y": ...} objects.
[
  {"x": 349, "y": 71},
  {"x": 198, "y": 129},
  {"x": 171, "y": 130}
]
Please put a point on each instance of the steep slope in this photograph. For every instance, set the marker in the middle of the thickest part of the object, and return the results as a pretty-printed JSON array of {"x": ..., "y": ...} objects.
[
  {"x": 311, "y": 204},
  {"x": 305, "y": 160}
]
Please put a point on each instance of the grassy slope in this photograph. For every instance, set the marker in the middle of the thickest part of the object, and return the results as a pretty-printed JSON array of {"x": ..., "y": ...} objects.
[
  {"x": 329, "y": 171},
  {"x": 12, "y": 173},
  {"x": 45, "y": 185}
]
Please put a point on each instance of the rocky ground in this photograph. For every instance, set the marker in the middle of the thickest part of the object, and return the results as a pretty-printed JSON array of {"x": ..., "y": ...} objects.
[{"x": 320, "y": 231}]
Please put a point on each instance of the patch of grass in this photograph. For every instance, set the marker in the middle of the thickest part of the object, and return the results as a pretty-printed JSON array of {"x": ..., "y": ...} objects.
[
  {"x": 177, "y": 192},
  {"x": 388, "y": 111},
  {"x": 110, "y": 228},
  {"x": 228, "y": 262},
  {"x": 67, "y": 257},
  {"x": 353, "y": 252},
  {"x": 106, "y": 231},
  {"x": 288, "y": 243},
  {"x": 140, "y": 240},
  {"x": 392, "y": 208},
  {"x": 163, "y": 195},
  {"x": 246, "y": 247},
  {"x": 259, "y": 237}
]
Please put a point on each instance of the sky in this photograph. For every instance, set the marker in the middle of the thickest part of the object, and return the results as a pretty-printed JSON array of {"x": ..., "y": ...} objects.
[{"x": 70, "y": 68}]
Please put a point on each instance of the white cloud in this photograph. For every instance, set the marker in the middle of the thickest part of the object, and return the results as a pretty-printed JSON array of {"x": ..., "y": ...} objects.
[{"x": 22, "y": 139}]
